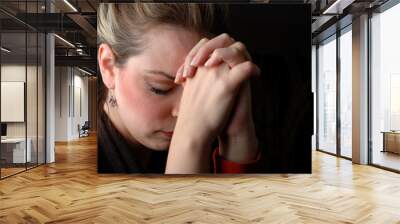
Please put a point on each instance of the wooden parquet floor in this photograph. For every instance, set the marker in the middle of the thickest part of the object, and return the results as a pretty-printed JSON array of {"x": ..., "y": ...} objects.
[{"x": 71, "y": 191}]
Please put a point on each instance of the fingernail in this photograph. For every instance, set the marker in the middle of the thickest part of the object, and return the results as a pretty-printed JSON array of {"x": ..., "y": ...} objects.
[
  {"x": 176, "y": 77},
  {"x": 185, "y": 71},
  {"x": 207, "y": 63},
  {"x": 179, "y": 74},
  {"x": 192, "y": 63}
]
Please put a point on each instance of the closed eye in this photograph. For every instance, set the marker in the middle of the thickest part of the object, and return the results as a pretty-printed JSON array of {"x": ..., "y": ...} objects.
[{"x": 159, "y": 91}]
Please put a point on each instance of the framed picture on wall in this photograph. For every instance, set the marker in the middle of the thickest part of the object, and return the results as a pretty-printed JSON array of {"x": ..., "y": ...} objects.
[
  {"x": 12, "y": 101},
  {"x": 189, "y": 88}
]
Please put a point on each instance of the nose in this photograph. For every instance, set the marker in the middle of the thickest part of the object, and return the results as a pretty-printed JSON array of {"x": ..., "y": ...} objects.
[{"x": 176, "y": 105}]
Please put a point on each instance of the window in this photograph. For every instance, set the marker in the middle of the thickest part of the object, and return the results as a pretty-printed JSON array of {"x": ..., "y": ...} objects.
[
  {"x": 385, "y": 88},
  {"x": 327, "y": 95},
  {"x": 22, "y": 77},
  {"x": 346, "y": 92}
]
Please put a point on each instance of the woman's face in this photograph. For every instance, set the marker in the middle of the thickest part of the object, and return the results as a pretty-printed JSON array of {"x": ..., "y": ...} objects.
[{"x": 148, "y": 99}]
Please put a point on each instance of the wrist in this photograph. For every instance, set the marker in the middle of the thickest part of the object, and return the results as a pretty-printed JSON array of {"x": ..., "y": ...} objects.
[
  {"x": 240, "y": 148},
  {"x": 191, "y": 137},
  {"x": 188, "y": 153},
  {"x": 192, "y": 144},
  {"x": 186, "y": 139}
]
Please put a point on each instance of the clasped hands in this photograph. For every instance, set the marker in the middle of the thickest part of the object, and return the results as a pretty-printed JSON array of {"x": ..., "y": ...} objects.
[{"x": 216, "y": 100}]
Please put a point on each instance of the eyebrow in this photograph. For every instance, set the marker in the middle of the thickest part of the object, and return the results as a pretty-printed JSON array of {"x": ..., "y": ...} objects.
[{"x": 156, "y": 72}]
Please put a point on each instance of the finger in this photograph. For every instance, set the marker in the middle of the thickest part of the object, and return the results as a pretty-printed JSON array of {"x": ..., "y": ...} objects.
[
  {"x": 204, "y": 52},
  {"x": 213, "y": 60},
  {"x": 190, "y": 56},
  {"x": 182, "y": 80},
  {"x": 242, "y": 48},
  {"x": 241, "y": 72},
  {"x": 230, "y": 55},
  {"x": 178, "y": 74},
  {"x": 190, "y": 71}
]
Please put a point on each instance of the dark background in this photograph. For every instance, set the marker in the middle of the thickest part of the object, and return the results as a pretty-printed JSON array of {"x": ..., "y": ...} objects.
[{"x": 278, "y": 38}]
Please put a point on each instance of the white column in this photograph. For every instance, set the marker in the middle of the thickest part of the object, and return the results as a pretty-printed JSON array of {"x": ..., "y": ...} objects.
[
  {"x": 313, "y": 90},
  {"x": 360, "y": 90},
  {"x": 50, "y": 93}
]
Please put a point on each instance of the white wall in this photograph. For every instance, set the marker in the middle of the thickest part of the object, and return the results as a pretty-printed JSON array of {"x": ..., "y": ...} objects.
[
  {"x": 33, "y": 127},
  {"x": 16, "y": 73},
  {"x": 12, "y": 73},
  {"x": 80, "y": 102},
  {"x": 61, "y": 103},
  {"x": 313, "y": 89},
  {"x": 71, "y": 94}
]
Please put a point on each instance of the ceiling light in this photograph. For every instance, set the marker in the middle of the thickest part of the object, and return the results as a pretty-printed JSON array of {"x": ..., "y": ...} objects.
[
  {"x": 64, "y": 40},
  {"x": 5, "y": 49},
  {"x": 70, "y": 5},
  {"x": 337, "y": 7},
  {"x": 84, "y": 71}
]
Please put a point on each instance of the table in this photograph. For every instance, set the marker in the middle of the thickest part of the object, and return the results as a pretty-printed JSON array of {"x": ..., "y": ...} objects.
[
  {"x": 391, "y": 141},
  {"x": 15, "y": 148}
]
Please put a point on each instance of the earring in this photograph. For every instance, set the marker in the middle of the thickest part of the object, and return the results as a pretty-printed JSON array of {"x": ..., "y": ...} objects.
[{"x": 112, "y": 101}]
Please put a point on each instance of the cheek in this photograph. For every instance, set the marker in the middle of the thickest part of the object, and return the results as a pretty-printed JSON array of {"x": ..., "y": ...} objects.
[{"x": 136, "y": 101}]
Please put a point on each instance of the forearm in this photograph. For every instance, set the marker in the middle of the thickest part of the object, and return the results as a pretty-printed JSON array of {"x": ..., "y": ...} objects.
[
  {"x": 241, "y": 147},
  {"x": 188, "y": 155}
]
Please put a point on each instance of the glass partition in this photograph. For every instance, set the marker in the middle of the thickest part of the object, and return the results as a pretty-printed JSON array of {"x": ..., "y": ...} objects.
[
  {"x": 346, "y": 93},
  {"x": 385, "y": 88},
  {"x": 22, "y": 88},
  {"x": 327, "y": 95},
  {"x": 14, "y": 153},
  {"x": 41, "y": 91},
  {"x": 31, "y": 100}
]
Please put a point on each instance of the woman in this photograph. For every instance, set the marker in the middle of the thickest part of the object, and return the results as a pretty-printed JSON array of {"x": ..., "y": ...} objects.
[{"x": 171, "y": 87}]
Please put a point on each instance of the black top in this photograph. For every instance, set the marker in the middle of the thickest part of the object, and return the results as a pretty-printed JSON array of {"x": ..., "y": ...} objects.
[{"x": 118, "y": 155}]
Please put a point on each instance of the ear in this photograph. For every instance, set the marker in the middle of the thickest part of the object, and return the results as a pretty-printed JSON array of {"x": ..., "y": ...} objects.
[{"x": 106, "y": 60}]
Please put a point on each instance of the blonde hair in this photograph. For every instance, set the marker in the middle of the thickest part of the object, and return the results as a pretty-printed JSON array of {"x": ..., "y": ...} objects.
[{"x": 122, "y": 26}]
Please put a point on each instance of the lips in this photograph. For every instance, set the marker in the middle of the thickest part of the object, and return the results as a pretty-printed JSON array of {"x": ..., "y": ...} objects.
[{"x": 168, "y": 133}]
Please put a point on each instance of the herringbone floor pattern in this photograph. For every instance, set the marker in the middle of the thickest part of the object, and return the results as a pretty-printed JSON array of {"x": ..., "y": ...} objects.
[{"x": 71, "y": 191}]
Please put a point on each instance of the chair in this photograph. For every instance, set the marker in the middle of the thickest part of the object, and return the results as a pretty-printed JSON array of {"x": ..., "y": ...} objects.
[{"x": 84, "y": 130}]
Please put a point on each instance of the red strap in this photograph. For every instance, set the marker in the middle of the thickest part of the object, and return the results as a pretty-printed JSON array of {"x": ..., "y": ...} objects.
[{"x": 221, "y": 165}]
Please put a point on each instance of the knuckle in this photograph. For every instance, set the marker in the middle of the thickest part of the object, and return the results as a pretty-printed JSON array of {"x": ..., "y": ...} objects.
[
  {"x": 205, "y": 48},
  {"x": 240, "y": 46},
  {"x": 217, "y": 52},
  {"x": 192, "y": 53},
  {"x": 214, "y": 71},
  {"x": 216, "y": 74},
  {"x": 247, "y": 66},
  {"x": 204, "y": 39},
  {"x": 236, "y": 51},
  {"x": 225, "y": 36}
]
